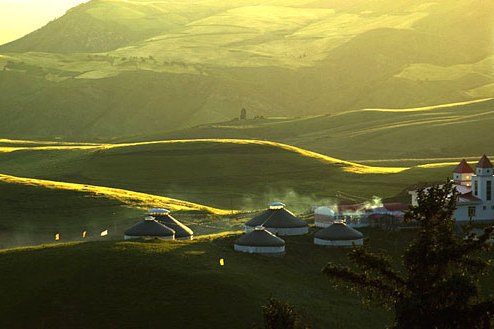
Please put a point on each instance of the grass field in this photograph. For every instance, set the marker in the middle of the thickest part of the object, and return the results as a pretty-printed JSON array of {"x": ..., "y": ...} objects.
[
  {"x": 180, "y": 284},
  {"x": 242, "y": 175}
]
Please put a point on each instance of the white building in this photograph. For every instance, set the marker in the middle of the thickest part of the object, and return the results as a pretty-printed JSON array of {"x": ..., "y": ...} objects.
[{"x": 475, "y": 190}]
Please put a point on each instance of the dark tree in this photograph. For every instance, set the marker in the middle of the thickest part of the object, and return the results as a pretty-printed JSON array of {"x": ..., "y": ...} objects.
[
  {"x": 243, "y": 114},
  {"x": 438, "y": 286},
  {"x": 280, "y": 315}
]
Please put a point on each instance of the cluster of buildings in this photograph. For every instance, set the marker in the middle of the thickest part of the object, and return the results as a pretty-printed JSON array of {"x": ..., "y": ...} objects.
[
  {"x": 475, "y": 189},
  {"x": 264, "y": 232}
]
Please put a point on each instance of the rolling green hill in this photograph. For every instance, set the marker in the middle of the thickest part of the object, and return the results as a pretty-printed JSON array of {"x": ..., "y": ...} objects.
[
  {"x": 383, "y": 137},
  {"x": 111, "y": 69},
  {"x": 227, "y": 174},
  {"x": 176, "y": 284}
]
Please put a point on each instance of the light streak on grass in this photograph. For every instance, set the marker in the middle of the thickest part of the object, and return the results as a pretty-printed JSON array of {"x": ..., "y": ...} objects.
[{"x": 130, "y": 198}]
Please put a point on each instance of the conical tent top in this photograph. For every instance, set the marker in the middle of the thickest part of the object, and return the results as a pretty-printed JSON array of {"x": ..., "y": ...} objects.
[
  {"x": 158, "y": 211},
  {"x": 277, "y": 205}
]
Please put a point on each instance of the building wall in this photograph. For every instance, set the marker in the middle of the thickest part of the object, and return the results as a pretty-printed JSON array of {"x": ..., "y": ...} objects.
[
  {"x": 461, "y": 212},
  {"x": 338, "y": 243},
  {"x": 128, "y": 237},
  {"x": 259, "y": 250}
]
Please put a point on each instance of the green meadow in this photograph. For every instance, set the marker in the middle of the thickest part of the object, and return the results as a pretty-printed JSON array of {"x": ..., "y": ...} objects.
[
  {"x": 135, "y": 67},
  {"x": 179, "y": 284}
]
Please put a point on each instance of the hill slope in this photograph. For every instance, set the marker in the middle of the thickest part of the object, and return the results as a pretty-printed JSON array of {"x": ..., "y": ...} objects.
[
  {"x": 228, "y": 174},
  {"x": 130, "y": 285},
  {"x": 108, "y": 68}
]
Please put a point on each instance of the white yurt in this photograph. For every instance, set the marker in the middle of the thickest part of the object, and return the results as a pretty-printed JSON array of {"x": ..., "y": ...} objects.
[
  {"x": 338, "y": 235},
  {"x": 260, "y": 241},
  {"x": 149, "y": 228},
  {"x": 163, "y": 216},
  {"x": 279, "y": 221},
  {"x": 324, "y": 216}
]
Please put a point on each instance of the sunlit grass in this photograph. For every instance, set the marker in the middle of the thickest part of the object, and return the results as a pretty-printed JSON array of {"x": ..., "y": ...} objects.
[{"x": 130, "y": 198}]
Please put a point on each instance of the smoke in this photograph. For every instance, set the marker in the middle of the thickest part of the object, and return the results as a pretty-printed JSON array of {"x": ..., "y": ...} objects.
[
  {"x": 375, "y": 202},
  {"x": 293, "y": 200}
]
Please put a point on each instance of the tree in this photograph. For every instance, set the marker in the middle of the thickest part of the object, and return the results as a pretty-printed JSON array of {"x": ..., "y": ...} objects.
[
  {"x": 438, "y": 286},
  {"x": 281, "y": 315},
  {"x": 243, "y": 114}
]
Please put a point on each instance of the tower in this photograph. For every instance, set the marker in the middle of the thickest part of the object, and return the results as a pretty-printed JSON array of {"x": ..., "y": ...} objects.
[
  {"x": 462, "y": 175},
  {"x": 482, "y": 180}
]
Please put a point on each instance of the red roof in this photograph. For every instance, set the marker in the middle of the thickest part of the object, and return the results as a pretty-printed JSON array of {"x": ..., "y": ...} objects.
[
  {"x": 484, "y": 162},
  {"x": 468, "y": 197},
  {"x": 396, "y": 206},
  {"x": 463, "y": 168}
]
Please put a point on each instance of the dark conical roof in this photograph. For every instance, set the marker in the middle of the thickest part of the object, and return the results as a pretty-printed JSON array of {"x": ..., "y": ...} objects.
[
  {"x": 463, "y": 168},
  {"x": 260, "y": 238},
  {"x": 484, "y": 162},
  {"x": 163, "y": 216},
  {"x": 150, "y": 227},
  {"x": 276, "y": 216},
  {"x": 338, "y": 231}
]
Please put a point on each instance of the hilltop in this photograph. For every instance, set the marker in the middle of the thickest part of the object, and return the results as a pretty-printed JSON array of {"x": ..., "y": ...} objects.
[{"x": 112, "y": 68}]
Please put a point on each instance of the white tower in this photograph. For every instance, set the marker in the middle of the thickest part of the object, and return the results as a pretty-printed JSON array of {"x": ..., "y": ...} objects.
[
  {"x": 482, "y": 180},
  {"x": 463, "y": 174}
]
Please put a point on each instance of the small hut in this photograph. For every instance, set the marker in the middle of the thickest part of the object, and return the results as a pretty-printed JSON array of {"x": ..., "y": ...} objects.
[
  {"x": 149, "y": 228},
  {"x": 279, "y": 221},
  {"x": 338, "y": 235},
  {"x": 260, "y": 241},
  {"x": 324, "y": 216},
  {"x": 163, "y": 216}
]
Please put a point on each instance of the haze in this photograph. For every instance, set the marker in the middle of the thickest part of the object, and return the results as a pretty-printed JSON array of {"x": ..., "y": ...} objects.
[{"x": 19, "y": 17}]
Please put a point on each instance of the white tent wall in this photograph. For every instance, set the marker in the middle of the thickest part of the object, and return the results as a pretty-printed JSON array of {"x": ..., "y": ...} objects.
[
  {"x": 338, "y": 243},
  {"x": 260, "y": 250}
]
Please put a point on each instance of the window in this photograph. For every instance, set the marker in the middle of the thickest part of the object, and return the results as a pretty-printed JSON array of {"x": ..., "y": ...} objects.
[
  {"x": 475, "y": 188},
  {"x": 488, "y": 190},
  {"x": 484, "y": 207},
  {"x": 471, "y": 211}
]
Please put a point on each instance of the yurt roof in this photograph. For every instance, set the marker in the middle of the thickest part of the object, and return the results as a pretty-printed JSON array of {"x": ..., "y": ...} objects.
[
  {"x": 158, "y": 211},
  {"x": 276, "y": 217},
  {"x": 149, "y": 227},
  {"x": 181, "y": 231},
  {"x": 260, "y": 237},
  {"x": 338, "y": 231}
]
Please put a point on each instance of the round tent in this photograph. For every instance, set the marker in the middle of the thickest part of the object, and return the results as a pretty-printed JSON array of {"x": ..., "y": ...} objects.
[
  {"x": 278, "y": 220},
  {"x": 260, "y": 241},
  {"x": 163, "y": 216},
  {"x": 324, "y": 216},
  {"x": 149, "y": 228},
  {"x": 338, "y": 235}
]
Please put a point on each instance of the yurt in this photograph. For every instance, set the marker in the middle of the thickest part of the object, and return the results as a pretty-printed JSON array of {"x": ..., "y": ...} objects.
[
  {"x": 149, "y": 228},
  {"x": 260, "y": 241},
  {"x": 338, "y": 235},
  {"x": 324, "y": 216},
  {"x": 163, "y": 216},
  {"x": 279, "y": 221}
]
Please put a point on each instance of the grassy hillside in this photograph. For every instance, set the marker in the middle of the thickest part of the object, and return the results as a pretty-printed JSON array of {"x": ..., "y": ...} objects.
[
  {"x": 228, "y": 175},
  {"x": 400, "y": 137},
  {"x": 129, "y": 285},
  {"x": 32, "y": 212},
  {"x": 133, "y": 67}
]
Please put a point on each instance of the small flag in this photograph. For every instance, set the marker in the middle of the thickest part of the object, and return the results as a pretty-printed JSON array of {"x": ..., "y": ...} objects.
[
  {"x": 84, "y": 233},
  {"x": 104, "y": 233},
  {"x": 57, "y": 236},
  {"x": 222, "y": 262}
]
